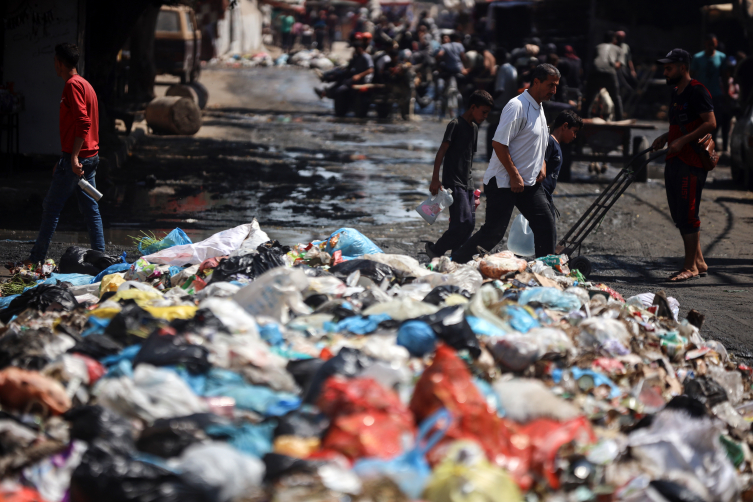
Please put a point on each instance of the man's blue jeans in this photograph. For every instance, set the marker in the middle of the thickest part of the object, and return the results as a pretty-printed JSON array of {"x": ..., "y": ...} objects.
[{"x": 64, "y": 184}]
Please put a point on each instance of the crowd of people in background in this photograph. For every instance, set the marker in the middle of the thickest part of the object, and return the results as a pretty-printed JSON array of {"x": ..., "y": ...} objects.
[{"x": 435, "y": 49}]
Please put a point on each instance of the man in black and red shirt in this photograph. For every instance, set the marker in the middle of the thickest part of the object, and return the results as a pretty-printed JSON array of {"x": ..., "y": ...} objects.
[{"x": 691, "y": 117}]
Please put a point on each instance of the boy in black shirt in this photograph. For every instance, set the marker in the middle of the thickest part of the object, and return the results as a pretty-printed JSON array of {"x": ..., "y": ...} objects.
[
  {"x": 456, "y": 151},
  {"x": 691, "y": 117},
  {"x": 563, "y": 131}
]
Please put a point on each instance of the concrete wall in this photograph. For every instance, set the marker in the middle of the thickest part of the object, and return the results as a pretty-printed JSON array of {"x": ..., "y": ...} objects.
[
  {"x": 240, "y": 31},
  {"x": 33, "y": 29}
]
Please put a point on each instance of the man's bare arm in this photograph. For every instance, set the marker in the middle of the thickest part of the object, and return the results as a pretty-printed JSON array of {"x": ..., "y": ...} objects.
[
  {"x": 503, "y": 154},
  {"x": 435, "y": 183}
]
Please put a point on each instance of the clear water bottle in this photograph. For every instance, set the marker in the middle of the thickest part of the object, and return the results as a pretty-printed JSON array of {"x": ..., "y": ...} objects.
[{"x": 88, "y": 188}]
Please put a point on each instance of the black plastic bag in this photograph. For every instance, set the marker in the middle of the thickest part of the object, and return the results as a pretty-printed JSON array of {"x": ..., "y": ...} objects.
[
  {"x": 303, "y": 370},
  {"x": 204, "y": 322},
  {"x": 675, "y": 492},
  {"x": 97, "y": 346},
  {"x": 278, "y": 465},
  {"x": 131, "y": 325},
  {"x": 168, "y": 437},
  {"x": 108, "y": 473},
  {"x": 450, "y": 326},
  {"x": 269, "y": 255},
  {"x": 438, "y": 294},
  {"x": 349, "y": 362},
  {"x": 706, "y": 390},
  {"x": 78, "y": 260},
  {"x": 25, "y": 349},
  {"x": 89, "y": 423},
  {"x": 43, "y": 297},
  {"x": 375, "y": 271},
  {"x": 302, "y": 423},
  {"x": 165, "y": 348}
]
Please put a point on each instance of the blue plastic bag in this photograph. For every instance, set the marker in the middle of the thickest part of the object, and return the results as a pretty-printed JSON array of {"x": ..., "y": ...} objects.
[
  {"x": 357, "y": 325},
  {"x": 112, "y": 269},
  {"x": 409, "y": 470},
  {"x": 598, "y": 379},
  {"x": 5, "y": 300},
  {"x": 175, "y": 238},
  {"x": 520, "y": 319},
  {"x": 352, "y": 244},
  {"x": 257, "y": 398},
  {"x": 553, "y": 298},
  {"x": 252, "y": 439},
  {"x": 418, "y": 337},
  {"x": 483, "y": 327},
  {"x": 72, "y": 279}
]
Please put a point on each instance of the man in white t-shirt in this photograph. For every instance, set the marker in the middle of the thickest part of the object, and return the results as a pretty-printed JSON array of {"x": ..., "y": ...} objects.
[{"x": 513, "y": 178}]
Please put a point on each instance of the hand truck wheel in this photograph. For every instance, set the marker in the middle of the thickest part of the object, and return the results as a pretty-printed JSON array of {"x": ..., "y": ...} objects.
[{"x": 582, "y": 264}]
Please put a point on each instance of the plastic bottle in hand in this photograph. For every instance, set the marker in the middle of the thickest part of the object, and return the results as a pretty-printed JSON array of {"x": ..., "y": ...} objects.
[
  {"x": 434, "y": 204},
  {"x": 476, "y": 199}
]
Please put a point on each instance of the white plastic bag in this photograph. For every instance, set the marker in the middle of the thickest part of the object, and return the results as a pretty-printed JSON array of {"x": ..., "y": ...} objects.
[
  {"x": 221, "y": 466},
  {"x": 275, "y": 293},
  {"x": 434, "y": 204},
  {"x": 520, "y": 240},
  {"x": 220, "y": 244},
  {"x": 256, "y": 237}
]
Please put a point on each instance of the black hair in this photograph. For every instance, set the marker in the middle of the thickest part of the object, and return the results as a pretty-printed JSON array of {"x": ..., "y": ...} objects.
[
  {"x": 711, "y": 37},
  {"x": 481, "y": 98},
  {"x": 455, "y": 36},
  {"x": 543, "y": 72},
  {"x": 568, "y": 117},
  {"x": 609, "y": 36},
  {"x": 67, "y": 54}
]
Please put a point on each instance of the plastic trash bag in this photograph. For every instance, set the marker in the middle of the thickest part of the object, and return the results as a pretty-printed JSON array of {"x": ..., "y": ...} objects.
[
  {"x": 150, "y": 394},
  {"x": 465, "y": 277},
  {"x": 274, "y": 294},
  {"x": 498, "y": 265},
  {"x": 402, "y": 309},
  {"x": 89, "y": 423},
  {"x": 404, "y": 266},
  {"x": 375, "y": 271},
  {"x": 110, "y": 283},
  {"x": 97, "y": 346},
  {"x": 112, "y": 269},
  {"x": 348, "y": 362},
  {"x": 107, "y": 473},
  {"x": 368, "y": 434},
  {"x": 430, "y": 208},
  {"x": 164, "y": 348},
  {"x": 351, "y": 243},
  {"x": 218, "y": 465},
  {"x": 526, "y": 399},
  {"x": 177, "y": 237},
  {"x": 465, "y": 475},
  {"x": 78, "y": 260},
  {"x": 131, "y": 325},
  {"x": 358, "y": 325},
  {"x": 43, "y": 298},
  {"x": 268, "y": 256},
  {"x": 220, "y": 244},
  {"x": 418, "y": 337},
  {"x": 342, "y": 396},
  {"x": 551, "y": 298},
  {"x": 706, "y": 390},
  {"x": 676, "y": 444},
  {"x": 440, "y": 293},
  {"x": 168, "y": 437},
  {"x": 450, "y": 326},
  {"x": 73, "y": 280},
  {"x": 31, "y": 349},
  {"x": 255, "y": 237},
  {"x": 410, "y": 470},
  {"x": 260, "y": 399},
  {"x": 52, "y": 476},
  {"x": 520, "y": 240},
  {"x": 24, "y": 390},
  {"x": 447, "y": 383}
]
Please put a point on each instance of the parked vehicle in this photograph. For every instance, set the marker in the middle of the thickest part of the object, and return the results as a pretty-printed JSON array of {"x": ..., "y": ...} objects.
[{"x": 177, "y": 43}]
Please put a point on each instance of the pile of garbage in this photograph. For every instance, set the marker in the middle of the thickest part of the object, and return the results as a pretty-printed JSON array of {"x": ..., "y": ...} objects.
[
  {"x": 238, "y": 368},
  {"x": 305, "y": 58}
]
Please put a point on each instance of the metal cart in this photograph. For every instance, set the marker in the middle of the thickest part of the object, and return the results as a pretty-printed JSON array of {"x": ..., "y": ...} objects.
[{"x": 593, "y": 216}]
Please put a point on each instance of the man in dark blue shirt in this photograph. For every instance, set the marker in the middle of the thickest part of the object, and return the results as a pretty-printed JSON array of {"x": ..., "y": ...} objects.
[{"x": 563, "y": 131}]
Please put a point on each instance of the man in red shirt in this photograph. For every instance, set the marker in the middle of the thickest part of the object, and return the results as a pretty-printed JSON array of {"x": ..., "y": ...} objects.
[
  {"x": 691, "y": 117},
  {"x": 79, "y": 141}
]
